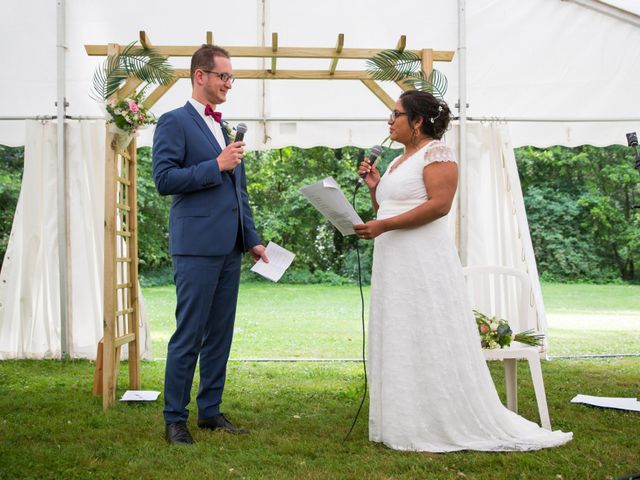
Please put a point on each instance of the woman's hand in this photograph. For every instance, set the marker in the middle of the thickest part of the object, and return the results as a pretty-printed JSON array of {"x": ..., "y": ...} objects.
[
  {"x": 372, "y": 173},
  {"x": 369, "y": 230}
]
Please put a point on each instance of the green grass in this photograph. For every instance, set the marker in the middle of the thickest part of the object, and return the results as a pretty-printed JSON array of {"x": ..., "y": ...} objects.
[
  {"x": 277, "y": 321},
  {"x": 52, "y": 427},
  {"x": 322, "y": 321},
  {"x": 587, "y": 298}
]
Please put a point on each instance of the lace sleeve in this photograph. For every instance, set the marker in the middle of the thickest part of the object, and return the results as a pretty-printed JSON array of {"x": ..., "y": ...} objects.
[{"x": 438, "y": 153}]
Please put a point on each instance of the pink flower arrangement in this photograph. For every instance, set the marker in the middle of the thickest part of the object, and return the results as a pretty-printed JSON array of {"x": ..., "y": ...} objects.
[{"x": 129, "y": 114}]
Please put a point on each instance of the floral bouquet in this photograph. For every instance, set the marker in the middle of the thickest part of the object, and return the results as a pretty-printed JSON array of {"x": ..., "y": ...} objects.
[
  {"x": 496, "y": 333},
  {"x": 129, "y": 114}
]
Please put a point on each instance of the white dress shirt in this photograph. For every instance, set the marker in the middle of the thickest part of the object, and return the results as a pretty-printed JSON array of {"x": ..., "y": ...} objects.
[{"x": 214, "y": 126}]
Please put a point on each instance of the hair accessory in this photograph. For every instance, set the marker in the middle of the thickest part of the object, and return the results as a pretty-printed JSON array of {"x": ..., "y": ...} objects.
[{"x": 433, "y": 119}]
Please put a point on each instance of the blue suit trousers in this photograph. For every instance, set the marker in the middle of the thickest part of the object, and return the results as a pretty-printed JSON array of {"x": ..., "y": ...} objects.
[{"x": 207, "y": 292}]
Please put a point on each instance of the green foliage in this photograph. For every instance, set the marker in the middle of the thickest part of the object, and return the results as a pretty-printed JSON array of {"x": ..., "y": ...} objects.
[
  {"x": 579, "y": 205},
  {"x": 11, "y": 166},
  {"x": 140, "y": 62},
  {"x": 284, "y": 216},
  {"x": 580, "y": 208},
  {"x": 405, "y": 66},
  {"x": 153, "y": 221}
]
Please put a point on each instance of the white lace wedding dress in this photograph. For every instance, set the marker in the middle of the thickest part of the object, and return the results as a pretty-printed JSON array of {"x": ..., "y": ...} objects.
[{"x": 430, "y": 388}]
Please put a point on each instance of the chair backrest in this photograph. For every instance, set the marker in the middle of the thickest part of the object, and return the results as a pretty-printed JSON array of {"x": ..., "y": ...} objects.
[{"x": 504, "y": 292}]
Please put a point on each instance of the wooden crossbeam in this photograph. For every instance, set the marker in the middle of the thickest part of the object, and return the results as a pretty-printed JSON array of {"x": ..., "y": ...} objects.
[
  {"x": 427, "y": 61},
  {"x": 128, "y": 88},
  {"x": 123, "y": 340},
  {"x": 283, "y": 52},
  {"x": 274, "y": 49},
  {"x": 380, "y": 93},
  {"x": 289, "y": 74},
  {"x": 144, "y": 40},
  {"x": 334, "y": 62},
  {"x": 404, "y": 86},
  {"x": 160, "y": 90}
]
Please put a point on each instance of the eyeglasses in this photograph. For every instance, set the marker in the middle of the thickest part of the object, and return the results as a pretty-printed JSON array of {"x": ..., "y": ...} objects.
[
  {"x": 395, "y": 114},
  {"x": 225, "y": 77}
]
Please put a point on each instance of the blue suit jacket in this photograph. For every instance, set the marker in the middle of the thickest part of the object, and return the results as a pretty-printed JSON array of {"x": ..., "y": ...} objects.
[{"x": 207, "y": 204}]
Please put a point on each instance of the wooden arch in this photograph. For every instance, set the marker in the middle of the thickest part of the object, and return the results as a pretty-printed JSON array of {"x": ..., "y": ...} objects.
[{"x": 121, "y": 308}]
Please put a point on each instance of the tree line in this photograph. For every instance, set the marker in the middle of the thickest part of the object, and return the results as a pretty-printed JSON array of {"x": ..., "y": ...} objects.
[{"x": 579, "y": 201}]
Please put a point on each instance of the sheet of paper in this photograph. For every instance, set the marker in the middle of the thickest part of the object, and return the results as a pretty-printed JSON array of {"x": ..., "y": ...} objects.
[
  {"x": 140, "y": 396},
  {"x": 619, "y": 403},
  {"x": 327, "y": 197},
  {"x": 279, "y": 261}
]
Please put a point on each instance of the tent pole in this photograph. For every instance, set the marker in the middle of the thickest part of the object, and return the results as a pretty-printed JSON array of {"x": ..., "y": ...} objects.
[
  {"x": 462, "y": 133},
  {"x": 62, "y": 179}
]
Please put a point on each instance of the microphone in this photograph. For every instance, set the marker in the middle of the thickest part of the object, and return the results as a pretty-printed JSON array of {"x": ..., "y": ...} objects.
[
  {"x": 241, "y": 129},
  {"x": 373, "y": 156}
]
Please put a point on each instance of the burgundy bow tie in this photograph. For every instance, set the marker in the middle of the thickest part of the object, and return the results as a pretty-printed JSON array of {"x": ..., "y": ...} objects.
[{"x": 210, "y": 112}]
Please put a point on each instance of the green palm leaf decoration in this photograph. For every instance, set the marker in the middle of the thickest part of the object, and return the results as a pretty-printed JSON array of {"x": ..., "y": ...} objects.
[
  {"x": 405, "y": 66},
  {"x": 143, "y": 63},
  {"x": 436, "y": 84},
  {"x": 393, "y": 65}
]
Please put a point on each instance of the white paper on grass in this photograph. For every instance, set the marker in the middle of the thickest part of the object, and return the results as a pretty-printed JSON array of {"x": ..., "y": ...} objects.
[
  {"x": 329, "y": 200},
  {"x": 618, "y": 403},
  {"x": 279, "y": 260},
  {"x": 140, "y": 396}
]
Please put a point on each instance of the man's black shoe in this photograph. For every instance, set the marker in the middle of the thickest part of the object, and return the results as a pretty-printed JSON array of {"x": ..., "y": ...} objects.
[
  {"x": 220, "y": 422},
  {"x": 178, "y": 434}
]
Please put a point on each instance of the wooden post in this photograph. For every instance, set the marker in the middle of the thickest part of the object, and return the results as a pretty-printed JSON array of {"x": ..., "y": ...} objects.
[
  {"x": 274, "y": 49},
  {"x": 339, "y": 46},
  {"x": 427, "y": 61},
  {"x": 132, "y": 247},
  {"x": 98, "y": 373},
  {"x": 110, "y": 275},
  {"x": 121, "y": 325}
]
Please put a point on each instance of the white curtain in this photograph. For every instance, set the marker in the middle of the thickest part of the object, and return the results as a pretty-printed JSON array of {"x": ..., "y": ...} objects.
[
  {"x": 496, "y": 220},
  {"x": 29, "y": 280}
]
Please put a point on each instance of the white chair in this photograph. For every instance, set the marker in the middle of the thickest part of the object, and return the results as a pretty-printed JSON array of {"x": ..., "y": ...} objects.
[{"x": 506, "y": 292}]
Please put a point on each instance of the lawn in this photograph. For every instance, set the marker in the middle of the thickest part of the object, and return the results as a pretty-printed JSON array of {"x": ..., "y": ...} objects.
[
  {"x": 51, "y": 426},
  {"x": 323, "y": 321}
]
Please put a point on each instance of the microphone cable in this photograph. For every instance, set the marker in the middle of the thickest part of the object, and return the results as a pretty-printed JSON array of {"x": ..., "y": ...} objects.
[{"x": 364, "y": 361}]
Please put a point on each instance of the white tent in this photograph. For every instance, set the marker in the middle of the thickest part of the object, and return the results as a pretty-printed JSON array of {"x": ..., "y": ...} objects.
[{"x": 547, "y": 71}]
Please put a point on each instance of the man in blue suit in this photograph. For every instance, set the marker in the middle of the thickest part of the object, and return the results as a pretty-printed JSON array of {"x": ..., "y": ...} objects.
[{"x": 210, "y": 226}]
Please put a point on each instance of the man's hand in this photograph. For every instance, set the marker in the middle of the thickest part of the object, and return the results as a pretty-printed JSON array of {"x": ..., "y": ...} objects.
[
  {"x": 369, "y": 230},
  {"x": 231, "y": 156},
  {"x": 258, "y": 252}
]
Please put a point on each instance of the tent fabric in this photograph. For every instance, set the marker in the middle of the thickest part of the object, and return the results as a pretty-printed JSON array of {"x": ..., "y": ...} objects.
[
  {"x": 542, "y": 72},
  {"x": 570, "y": 70},
  {"x": 29, "y": 280},
  {"x": 495, "y": 217}
]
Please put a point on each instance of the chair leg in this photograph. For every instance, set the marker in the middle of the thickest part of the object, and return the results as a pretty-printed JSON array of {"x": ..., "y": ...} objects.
[
  {"x": 510, "y": 381},
  {"x": 538, "y": 387}
]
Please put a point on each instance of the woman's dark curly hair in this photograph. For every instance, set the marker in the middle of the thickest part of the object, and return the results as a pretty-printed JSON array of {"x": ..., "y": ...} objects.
[{"x": 435, "y": 114}]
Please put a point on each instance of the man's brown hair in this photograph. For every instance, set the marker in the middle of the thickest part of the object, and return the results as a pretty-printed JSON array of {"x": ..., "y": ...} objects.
[{"x": 204, "y": 58}]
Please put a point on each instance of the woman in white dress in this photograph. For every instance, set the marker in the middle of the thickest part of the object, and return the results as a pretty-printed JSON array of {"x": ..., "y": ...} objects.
[{"x": 430, "y": 388}]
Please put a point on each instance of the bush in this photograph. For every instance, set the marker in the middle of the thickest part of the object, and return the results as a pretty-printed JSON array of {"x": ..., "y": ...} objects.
[{"x": 11, "y": 167}]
